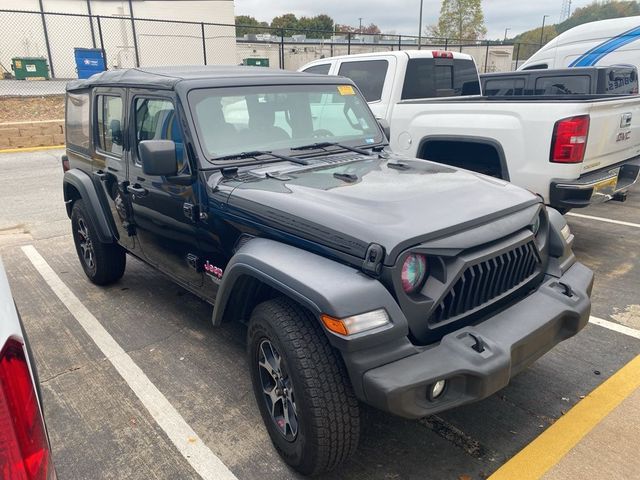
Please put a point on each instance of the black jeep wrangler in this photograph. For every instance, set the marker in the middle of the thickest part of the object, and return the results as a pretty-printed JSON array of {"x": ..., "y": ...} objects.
[{"x": 362, "y": 276}]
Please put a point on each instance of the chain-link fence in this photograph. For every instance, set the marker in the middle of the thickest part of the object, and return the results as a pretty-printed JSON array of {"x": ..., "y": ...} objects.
[{"x": 40, "y": 46}]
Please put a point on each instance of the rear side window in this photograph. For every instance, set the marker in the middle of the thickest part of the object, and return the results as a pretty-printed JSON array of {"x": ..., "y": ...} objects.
[
  {"x": 77, "y": 122},
  {"x": 621, "y": 81},
  {"x": 504, "y": 87},
  {"x": 109, "y": 124},
  {"x": 428, "y": 78},
  {"x": 563, "y": 85},
  {"x": 368, "y": 76},
  {"x": 319, "y": 69}
]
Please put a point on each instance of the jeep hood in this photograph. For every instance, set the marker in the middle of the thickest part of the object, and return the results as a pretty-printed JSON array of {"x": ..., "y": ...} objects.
[{"x": 394, "y": 202}]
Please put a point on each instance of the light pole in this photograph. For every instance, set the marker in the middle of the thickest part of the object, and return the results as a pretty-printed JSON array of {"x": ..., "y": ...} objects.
[
  {"x": 360, "y": 29},
  {"x": 420, "y": 27},
  {"x": 542, "y": 31},
  {"x": 505, "y": 33}
]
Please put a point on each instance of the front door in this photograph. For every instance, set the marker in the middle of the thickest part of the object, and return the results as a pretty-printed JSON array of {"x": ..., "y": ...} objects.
[
  {"x": 161, "y": 208},
  {"x": 110, "y": 160}
]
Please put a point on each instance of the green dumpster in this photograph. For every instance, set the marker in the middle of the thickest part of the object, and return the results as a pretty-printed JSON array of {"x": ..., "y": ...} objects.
[
  {"x": 256, "y": 62},
  {"x": 30, "y": 67}
]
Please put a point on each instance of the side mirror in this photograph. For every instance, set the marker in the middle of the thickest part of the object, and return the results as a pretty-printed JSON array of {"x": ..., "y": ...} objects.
[
  {"x": 386, "y": 128},
  {"x": 158, "y": 157},
  {"x": 116, "y": 132}
]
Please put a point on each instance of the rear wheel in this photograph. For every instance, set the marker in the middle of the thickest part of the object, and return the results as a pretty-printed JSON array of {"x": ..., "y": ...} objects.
[
  {"x": 103, "y": 263},
  {"x": 302, "y": 388}
]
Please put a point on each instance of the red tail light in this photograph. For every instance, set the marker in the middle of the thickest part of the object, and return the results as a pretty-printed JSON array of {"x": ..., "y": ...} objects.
[
  {"x": 441, "y": 54},
  {"x": 570, "y": 139},
  {"x": 24, "y": 450},
  {"x": 65, "y": 163}
]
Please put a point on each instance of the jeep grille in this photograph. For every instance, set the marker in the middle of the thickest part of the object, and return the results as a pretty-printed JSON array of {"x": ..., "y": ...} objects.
[{"x": 487, "y": 280}]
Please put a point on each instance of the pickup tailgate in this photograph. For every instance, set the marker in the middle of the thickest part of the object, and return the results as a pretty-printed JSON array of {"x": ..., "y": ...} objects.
[{"x": 614, "y": 132}]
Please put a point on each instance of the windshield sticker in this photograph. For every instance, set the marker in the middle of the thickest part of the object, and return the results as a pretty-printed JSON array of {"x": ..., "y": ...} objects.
[
  {"x": 346, "y": 90},
  {"x": 370, "y": 140}
]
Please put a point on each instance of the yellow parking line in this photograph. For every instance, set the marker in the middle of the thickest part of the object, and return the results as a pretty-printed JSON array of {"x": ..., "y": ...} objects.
[
  {"x": 548, "y": 449},
  {"x": 31, "y": 149}
]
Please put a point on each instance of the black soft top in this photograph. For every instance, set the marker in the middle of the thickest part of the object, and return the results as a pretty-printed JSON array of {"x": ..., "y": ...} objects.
[{"x": 167, "y": 78}]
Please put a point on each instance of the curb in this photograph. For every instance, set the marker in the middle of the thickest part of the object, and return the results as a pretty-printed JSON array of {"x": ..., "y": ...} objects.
[{"x": 31, "y": 149}]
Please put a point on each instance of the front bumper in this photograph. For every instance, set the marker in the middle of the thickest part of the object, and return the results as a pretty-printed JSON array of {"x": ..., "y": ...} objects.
[
  {"x": 595, "y": 187},
  {"x": 513, "y": 339}
]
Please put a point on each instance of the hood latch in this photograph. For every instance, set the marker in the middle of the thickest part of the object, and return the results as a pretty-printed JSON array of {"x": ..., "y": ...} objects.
[{"x": 373, "y": 259}]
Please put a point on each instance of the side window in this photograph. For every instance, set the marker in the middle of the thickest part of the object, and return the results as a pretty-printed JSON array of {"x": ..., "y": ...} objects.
[
  {"x": 156, "y": 120},
  {"x": 565, "y": 85},
  {"x": 77, "y": 122},
  {"x": 504, "y": 87},
  {"x": 319, "y": 69},
  {"x": 109, "y": 124},
  {"x": 368, "y": 75}
]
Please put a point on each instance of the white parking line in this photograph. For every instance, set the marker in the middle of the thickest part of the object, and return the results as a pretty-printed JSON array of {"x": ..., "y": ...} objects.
[
  {"x": 601, "y": 219},
  {"x": 616, "y": 327},
  {"x": 192, "y": 448}
]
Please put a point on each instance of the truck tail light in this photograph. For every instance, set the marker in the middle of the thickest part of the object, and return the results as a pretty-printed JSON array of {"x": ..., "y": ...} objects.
[
  {"x": 24, "y": 449},
  {"x": 441, "y": 54},
  {"x": 65, "y": 163},
  {"x": 569, "y": 139}
]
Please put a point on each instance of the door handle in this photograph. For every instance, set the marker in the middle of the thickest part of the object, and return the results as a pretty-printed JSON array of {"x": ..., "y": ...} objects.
[{"x": 137, "y": 190}]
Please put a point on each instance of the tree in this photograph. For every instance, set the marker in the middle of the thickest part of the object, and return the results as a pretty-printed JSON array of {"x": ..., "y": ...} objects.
[
  {"x": 320, "y": 26},
  {"x": 288, "y": 21},
  {"x": 370, "y": 29},
  {"x": 459, "y": 19},
  {"x": 246, "y": 24}
]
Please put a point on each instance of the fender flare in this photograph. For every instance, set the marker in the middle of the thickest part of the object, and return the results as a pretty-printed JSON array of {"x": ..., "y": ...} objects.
[
  {"x": 88, "y": 192},
  {"x": 317, "y": 283}
]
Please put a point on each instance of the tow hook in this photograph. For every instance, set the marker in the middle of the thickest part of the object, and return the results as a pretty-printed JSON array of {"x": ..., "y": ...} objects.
[{"x": 478, "y": 345}]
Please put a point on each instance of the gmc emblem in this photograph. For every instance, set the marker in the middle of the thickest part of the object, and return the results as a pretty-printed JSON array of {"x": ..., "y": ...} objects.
[{"x": 625, "y": 121}]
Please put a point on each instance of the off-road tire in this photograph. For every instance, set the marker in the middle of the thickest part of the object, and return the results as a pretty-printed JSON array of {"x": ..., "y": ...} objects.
[
  {"x": 327, "y": 409},
  {"x": 109, "y": 259}
]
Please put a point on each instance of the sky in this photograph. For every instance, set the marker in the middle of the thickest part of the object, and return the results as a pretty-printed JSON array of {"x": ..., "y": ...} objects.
[{"x": 401, "y": 16}]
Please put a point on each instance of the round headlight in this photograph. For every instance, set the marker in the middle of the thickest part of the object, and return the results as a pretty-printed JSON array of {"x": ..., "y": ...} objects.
[{"x": 414, "y": 271}]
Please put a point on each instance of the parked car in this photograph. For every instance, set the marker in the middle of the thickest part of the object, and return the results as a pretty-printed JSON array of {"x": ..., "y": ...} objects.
[
  {"x": 573, "y": 151},
  {"x": 615, "y": 80},
  {"x": 605, "y": 42},
  {"x": 362, "y": 275},
  {"x": 24, "y": 444}
]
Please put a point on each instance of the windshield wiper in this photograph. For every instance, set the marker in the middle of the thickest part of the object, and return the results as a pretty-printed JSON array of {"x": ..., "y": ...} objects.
[
  {"x": 258, "y": 153},
  {"x": 313, "y": 146}
]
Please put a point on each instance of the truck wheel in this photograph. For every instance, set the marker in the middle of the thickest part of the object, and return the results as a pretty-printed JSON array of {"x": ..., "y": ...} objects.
[
  {"x": 103, "y": 263},
  {"x": 302, "y": 388}
]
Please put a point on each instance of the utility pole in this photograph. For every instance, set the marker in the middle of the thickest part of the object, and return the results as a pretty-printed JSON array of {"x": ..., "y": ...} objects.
[
  {"x": 420, "y": 27},
  {"x": 542, "y": 32},
  {"x": 360, "y": 29},
  {"x": 505, "y": 33}
]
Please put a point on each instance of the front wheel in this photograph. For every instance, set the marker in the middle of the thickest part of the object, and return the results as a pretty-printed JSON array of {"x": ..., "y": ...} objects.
[
  {"x": 302, "y": 388},
  {"x": 103, "y": 263}
]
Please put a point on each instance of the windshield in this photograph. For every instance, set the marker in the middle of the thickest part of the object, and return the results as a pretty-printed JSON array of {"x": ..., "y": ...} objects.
[{"x": 277, "y": 117}]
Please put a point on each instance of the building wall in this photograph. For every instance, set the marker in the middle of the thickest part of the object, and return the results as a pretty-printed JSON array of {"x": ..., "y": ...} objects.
[{"x": 159, "y": 43}]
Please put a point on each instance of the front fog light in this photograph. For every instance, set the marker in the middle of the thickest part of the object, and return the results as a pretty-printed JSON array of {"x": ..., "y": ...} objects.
[
  {"x": 437, "y": 389},
  {"x": 356, "y": 323}
]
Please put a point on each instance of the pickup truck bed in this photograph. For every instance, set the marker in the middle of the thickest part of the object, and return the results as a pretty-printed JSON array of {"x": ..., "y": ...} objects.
[{"x": 512, "y": 137}]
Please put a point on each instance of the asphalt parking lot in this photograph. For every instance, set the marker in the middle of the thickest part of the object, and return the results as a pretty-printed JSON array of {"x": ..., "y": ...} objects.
[{"x": 100, "y": 428}]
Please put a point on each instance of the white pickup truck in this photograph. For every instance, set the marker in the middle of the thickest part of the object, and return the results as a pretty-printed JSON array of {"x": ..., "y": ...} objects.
[{"x": 573, "y": 150}]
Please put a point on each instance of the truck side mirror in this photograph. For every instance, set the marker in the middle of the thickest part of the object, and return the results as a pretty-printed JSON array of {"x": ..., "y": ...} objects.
[
  {"x": 158, "y": 157},
  {"x": 386, "y": 128}
]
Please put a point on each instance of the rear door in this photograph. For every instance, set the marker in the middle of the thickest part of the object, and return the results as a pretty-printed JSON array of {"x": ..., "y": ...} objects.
[
  {"x": 110, "y": 159},
  {"x": 164, "y": 211}
]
